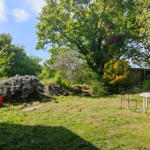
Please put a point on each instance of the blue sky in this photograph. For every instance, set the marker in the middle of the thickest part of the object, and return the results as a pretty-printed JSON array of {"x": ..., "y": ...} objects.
[{"x": 19, "y": 18}]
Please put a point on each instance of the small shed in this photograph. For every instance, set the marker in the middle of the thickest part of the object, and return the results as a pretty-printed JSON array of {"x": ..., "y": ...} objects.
[{"x": 143, "y": 72}]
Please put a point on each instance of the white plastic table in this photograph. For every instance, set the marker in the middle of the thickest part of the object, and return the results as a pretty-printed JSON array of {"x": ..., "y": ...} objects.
[{"x": 145, "y": 101}]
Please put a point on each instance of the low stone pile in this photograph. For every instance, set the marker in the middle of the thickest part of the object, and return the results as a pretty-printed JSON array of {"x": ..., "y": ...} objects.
[
  {"x": 75, "y": 90},
  {"x": 55, "y": 90}
]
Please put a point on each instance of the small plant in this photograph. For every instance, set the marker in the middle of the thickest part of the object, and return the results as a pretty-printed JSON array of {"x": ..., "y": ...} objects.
[
  {"x": 20, "y": 87},
  {"x": 99, "y": 88},
  {"x": 58, "y": 79}
]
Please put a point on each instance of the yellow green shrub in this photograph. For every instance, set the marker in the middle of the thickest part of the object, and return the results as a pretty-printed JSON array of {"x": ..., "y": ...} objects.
[{"x": 116, "y": 71}]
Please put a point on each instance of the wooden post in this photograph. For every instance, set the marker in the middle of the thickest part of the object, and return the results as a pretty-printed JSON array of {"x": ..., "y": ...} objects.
[
  {"x": 121, "y": 102},
  {"x": 143, "y": 105},
  {"x": 146, "y": 103}
]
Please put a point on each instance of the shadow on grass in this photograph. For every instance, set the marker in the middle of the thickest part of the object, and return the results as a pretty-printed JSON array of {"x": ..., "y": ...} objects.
[
  {"x": 36, "y": 98},
  {"x": 104, "y": 96},
  {"x": 25, "y": 137}
]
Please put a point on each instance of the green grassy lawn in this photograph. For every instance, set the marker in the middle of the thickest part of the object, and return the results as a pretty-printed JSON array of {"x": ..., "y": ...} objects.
[{"x": 74, "y": 123}]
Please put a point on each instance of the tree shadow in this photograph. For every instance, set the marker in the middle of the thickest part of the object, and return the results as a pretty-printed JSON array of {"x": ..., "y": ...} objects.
[
  {"x": 37, "y": 98},
  {"x": 104, "y": 96},
  {"x": 25, "y": 137}
]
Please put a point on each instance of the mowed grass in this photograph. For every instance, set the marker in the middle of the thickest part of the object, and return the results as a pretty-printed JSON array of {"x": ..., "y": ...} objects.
[{"x": 75, "y": 123}]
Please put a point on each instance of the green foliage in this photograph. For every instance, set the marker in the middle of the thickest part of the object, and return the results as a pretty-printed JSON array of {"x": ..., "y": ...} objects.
[
  {"x": 136, "y": 89},
  {"x": 143, "y": 18},
  {"x": 64, "y": 84},
  {"x": 146, "y": 83},
  {"x": 97, "y": 30},
  {"x": 69, "y": 64},
  {"x": 47, "y": 72},
  {"x": 99, "y": 88},
  {"x": 31, "y": 65},
  {"x": 58, "y": 79},
  {"x": 133, "y": 78},
  {"x": 88, "y": 75},
  {"x": 13, "y": 59}
]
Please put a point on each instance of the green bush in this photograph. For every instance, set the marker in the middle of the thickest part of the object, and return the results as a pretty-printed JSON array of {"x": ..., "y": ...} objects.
[
  {"x": 136, "y": 89},
  {"x": 58, "y": 79},
  {"x": 146, "y": 83},
  {"x": 99, "y": 88},
  {"x": 46, "y": 73}
]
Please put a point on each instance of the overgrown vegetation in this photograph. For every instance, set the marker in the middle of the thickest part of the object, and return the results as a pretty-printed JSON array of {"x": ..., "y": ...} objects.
[
  {"x": 146, "y": 83},
  {"x": 91, "y": 43},
  {"x": 103, "y": 35}
]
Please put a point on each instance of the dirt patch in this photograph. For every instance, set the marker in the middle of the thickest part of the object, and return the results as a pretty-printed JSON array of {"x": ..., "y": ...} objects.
[
  {"x": 112, "y": 132},
  {"x": 32, "y": 108}
]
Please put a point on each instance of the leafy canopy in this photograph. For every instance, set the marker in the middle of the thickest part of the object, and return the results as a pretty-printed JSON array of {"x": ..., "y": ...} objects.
[
  {"x": 143, "y": 17},
  {"x": 13, "y": 59},
  {"x": 97, "y": 29},
  {"x": 69, "y": 65}
]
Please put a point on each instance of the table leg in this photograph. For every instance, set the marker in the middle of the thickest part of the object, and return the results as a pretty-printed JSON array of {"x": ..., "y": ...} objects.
[
  {"x": 146, "y": 103},
  {"x": 143, "y": 105}
]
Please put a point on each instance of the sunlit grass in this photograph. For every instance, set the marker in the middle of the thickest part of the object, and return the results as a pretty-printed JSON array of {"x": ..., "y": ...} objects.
[{"x": 75, "y": 123}]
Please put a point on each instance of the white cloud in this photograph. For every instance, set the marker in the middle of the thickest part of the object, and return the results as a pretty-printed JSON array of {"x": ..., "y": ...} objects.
[
  {"x": 20, "y": 15},
  {"x": 2, "y": 12},
  {"x": 35, "y": 5}
]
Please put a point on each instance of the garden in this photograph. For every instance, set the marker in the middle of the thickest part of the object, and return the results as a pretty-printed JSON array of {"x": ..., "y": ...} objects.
[
  {"x": 74, "y": 122},
  {"x": 73, "y": 100},
  {"x": 33, "y": 119}
]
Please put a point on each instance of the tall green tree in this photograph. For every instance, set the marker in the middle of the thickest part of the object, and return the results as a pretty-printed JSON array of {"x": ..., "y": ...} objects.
[
  {"x": 97, "y": 30},
  {"x": 69, "y": 65},
  {"x": 47, "y": 71},
  {"x": 13, "y": 59},
  {"x": 143, "y": 17}
]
